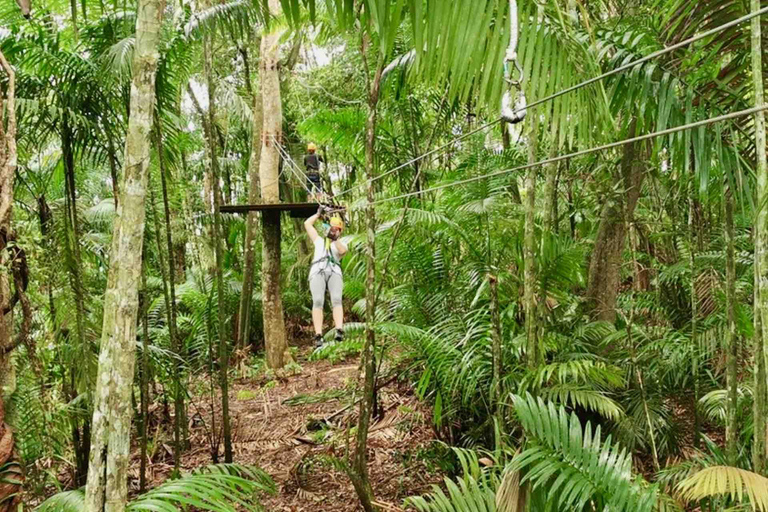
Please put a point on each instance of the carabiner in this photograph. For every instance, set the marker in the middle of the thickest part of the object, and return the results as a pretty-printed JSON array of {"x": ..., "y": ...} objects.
[{"x": 508, "y": 75}]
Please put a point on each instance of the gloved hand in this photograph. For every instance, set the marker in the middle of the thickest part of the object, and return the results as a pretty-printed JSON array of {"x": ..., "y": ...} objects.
[{"x": 320, "y": 211}]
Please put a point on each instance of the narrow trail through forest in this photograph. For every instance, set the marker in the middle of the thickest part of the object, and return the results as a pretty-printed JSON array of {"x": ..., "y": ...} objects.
[{"x": 297, "y": 425}]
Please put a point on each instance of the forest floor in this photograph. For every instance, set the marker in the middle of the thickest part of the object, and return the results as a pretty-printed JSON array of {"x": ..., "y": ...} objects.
[{"x": 293, "y": 425}]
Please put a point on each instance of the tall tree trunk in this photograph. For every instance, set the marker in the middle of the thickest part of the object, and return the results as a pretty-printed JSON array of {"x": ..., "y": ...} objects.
[
  {"x": 106, "y": 489},
  {"x": 633, "y": 350},
  {"x": 694, "y": 307},
  {"x": 205, "y": 250},
  {"x": 246, "y": 298},
  {"x": 359, "y": 473},
  {"x": 605, "y": 262},
  {"x": 731, "y": 426},
  {"x": 550, "y": 190},
  {"x": 761, "y": 251},
  {"x": 144, "y": 381},
  {"x": 73, "y": 230},
  {"x": 571, "y": 206},
  {"x": 178, "y": 392},
  {"x": 9, "y": 498},
  {"x": 529, "y": 251},
  {"x": 73, "y": 12},
  {"x": 80, "y": 435},
  {"x": 496, "y": 401},
  {"x": 176, "y": 387},
  {"x": 272, "y": 300},
  {"x": 218, "y": 235}
]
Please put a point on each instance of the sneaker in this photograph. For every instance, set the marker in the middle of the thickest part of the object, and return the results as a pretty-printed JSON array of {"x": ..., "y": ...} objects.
[
  {"x": 319, "y": 340},
  {"x": 339, "y": 335}
]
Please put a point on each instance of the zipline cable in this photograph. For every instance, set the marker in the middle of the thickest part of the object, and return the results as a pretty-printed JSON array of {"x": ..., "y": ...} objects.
[
  {"x": 423, "y": 156},
  {"x": 288, "y": 162},
  {"x": 573, "y": 88},
  {"x": 662, "y": 133},
  {"x": 287, "y": 157}
]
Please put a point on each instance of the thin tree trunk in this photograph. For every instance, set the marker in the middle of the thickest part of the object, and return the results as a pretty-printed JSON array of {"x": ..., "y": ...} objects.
[
  {"x": 107, "y": 488},
  {"x": 144, "y": 383},
  {"x": 9, "y": 491},
  {"x": 246, "y": 297},
  {"x": 496, "y": 348},
  {"x": 529, "y": 251},
  {"x": 550, "y": 190},
  {"x": 694, "y": 310},
  {"x": 205, "y": 251},
  {"x": 633, "y": 349},
  {"x": 571, "y": 203},
  {"x": 731, "y": 426},
  {"x": 167, "y": 299},
  {"x": 761, "y": 250},
  {"x": 73, "y": 12},
  {"x": 272, "y": 301},
  {"x": 178, "y": 392},
  {"x": 80, "y": 438},
  {"x": 359, "y": 473},
  {"x": 217, "y": 241},
  {"x": 605, "y": 261},
  {"x": 73, "y": 230}
]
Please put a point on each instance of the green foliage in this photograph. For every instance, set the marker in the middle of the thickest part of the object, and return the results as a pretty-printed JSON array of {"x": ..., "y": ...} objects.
[
  {"x": 245, "y": 394},
  {"x": 338, "y": 352},
  {"x": 436, "y": 251},
  {"x": 573, "y": 466},
  {"x": 740, "y": 485},
  {"x": 217, "y": 488},
  {"x": 474, "y": 490},
  {"x": 327, "y": 395}
]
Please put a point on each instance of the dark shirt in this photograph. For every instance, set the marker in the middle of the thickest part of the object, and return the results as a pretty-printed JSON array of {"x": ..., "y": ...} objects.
[{"x": 312, "y": 162}]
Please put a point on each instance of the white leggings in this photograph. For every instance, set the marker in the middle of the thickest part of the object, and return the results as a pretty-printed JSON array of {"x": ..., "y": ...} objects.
[{"x": 321, "y": 281}]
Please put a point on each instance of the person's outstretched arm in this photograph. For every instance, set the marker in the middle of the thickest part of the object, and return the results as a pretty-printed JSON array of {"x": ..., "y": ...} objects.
[{"x": 309, "y": 226}]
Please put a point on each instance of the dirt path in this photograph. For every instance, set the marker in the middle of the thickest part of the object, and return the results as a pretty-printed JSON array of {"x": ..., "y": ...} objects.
[{"x": 297, "y": 426}]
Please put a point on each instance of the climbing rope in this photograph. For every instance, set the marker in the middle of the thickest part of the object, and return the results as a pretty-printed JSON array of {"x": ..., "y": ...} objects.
[
  {"x": 292, "y": 167},
  {"x": 299, "y": 173},
  {"x": 569, "y": 90},
  {"x": 662, "y": 133},
  {"x": 514, "y": 95}
]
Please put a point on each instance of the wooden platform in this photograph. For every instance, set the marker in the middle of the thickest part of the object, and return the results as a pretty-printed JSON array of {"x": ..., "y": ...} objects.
[{"x": 300, "y": 210}]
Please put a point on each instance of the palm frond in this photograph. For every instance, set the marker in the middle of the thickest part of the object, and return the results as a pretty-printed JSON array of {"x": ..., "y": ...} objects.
[
  {"x": 575, "y": 467},
  {"x": 216, "y": 488},
  {"x": 474, "y": 491},
  {"x": 738, "y": 484}
]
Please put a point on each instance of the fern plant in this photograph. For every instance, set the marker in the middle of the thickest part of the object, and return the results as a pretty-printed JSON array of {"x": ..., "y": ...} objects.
[
  {"x": 570, "y": 467},
  {"x": 739, "y": 485},
  {"x": 216, "y": 488},
  {"x": 473, "y": 491}
]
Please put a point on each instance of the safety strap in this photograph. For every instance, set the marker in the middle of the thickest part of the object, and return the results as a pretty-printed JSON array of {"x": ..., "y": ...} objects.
[{"x": 328, "y": 256}]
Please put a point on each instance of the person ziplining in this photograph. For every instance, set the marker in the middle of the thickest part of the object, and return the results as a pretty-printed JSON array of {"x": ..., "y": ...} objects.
[
  {"x": 325, "y": 273},
  {"x": 312, "y": 163}
]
